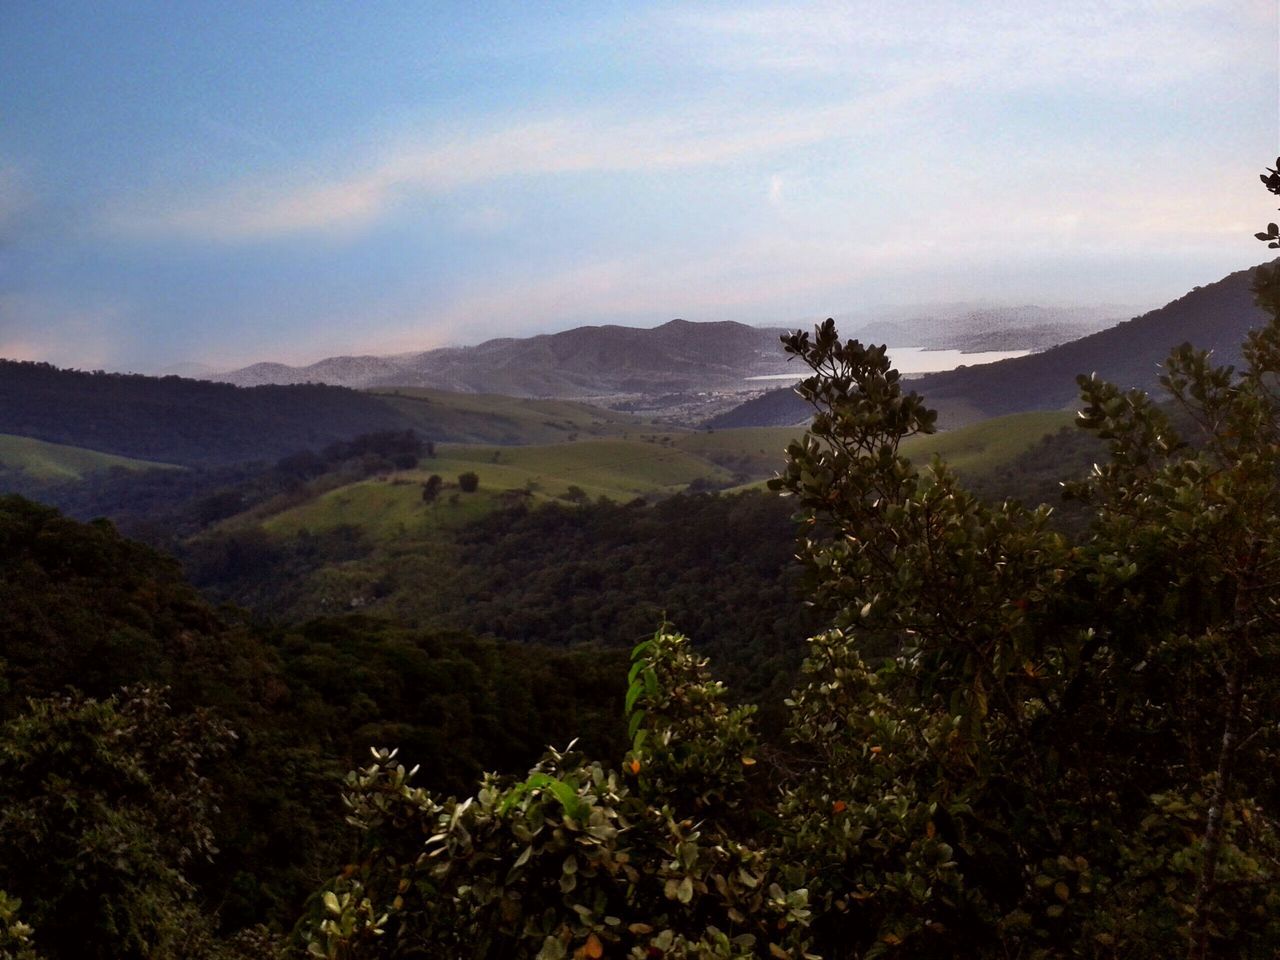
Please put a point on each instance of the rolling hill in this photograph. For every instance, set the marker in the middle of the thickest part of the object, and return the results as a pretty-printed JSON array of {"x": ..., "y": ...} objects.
[
  {"x": 196, "y": 422},
  {"x": 40, "y": 460}
]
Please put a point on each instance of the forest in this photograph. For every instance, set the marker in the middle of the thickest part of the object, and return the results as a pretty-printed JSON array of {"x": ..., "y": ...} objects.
[{"x": 955, "y": 723}]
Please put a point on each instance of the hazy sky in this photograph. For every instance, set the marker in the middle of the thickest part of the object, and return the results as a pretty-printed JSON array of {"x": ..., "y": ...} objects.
[{"x": 230, "y": 182}]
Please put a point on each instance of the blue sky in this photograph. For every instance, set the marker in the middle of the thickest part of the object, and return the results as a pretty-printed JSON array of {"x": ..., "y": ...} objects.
[{"x": 230, "y": 182}]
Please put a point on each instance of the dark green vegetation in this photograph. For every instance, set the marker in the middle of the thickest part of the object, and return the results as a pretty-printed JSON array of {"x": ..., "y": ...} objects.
[
  {"x": 81, "y": 605},
  {"x": 180, "y": 421},
  {"x": 195, "y": 422},
  {"x": 1009, "y": 737}
]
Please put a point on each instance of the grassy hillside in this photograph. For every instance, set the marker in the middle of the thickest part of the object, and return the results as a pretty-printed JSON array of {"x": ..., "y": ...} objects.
[
  {"x": 978, "y": 452},
  {"x": 983, "y": 447},
  {"x": 492, "y": 418},
  {"x": 390, "y": 507},
  {"x": 42, "y": 460}
]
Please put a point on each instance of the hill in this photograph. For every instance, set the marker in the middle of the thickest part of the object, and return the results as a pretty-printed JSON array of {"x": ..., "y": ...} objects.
[
  {"x": 39, "y": 460},
  {"x": 586, "y": 361},
  {"x": 181, "y": 421},
  {"x": 196, "y": 422},
  {"x": 492, "y": 418},
  {"x": 1215, "y": 317}
]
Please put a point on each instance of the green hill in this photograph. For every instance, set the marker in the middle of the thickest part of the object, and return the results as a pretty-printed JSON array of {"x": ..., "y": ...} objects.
[
  {"x": 493, "y": 418},
  {"x": 41, "y": 460},
  {"x": 982, "y": 447},
  {"x": 391, "y": 506}
]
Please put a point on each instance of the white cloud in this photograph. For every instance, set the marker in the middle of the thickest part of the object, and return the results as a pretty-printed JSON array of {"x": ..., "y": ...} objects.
[
  {"x": 1121, "y": 44},
  {"x": 569, "y": 144},
  {"x": 776, "y": 187}
]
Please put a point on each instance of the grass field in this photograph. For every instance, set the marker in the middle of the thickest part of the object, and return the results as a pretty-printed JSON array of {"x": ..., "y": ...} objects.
[
  {"x": 390, "y": 508},
  {"x": 988, "y": 444},
  {"x": 386, "y": 509},
  {"x": 412, "y": 546},
  {"x": 442, "y": 415},
  {"x": 56, "y": 461},
  {"x": 973, "y": 450}
]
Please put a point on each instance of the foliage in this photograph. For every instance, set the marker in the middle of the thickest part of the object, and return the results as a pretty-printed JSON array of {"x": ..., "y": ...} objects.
[
  {"x": 80, "y": 603},
  {"x": 104, "y": 806},
  {"x": 576, "y": 859},
  {"x": 15, "y": 936},
  {"x": 469, "y": 481}
]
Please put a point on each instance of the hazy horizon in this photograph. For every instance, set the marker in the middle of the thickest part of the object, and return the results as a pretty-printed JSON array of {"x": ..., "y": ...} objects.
[{"x": 227, "y": 185}]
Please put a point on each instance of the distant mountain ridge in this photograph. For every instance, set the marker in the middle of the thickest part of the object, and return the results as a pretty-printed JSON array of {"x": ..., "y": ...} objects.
[
  {"x": 977, "y": 328},
  {"x": 676, "y": 356},
  {"x": 1216, "y": 316},
  {"x": 586, "y": 361}
]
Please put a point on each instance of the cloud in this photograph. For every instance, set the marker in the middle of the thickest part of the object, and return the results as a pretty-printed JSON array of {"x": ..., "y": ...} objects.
[
  {"x": 1138, "y": 44},
  {"x": 583, "y": 143},
  {"x": 775, "y": 190}
]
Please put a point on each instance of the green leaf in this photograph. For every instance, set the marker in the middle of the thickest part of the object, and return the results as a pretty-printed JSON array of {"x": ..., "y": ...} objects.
[{"x": 633, "y": 725}]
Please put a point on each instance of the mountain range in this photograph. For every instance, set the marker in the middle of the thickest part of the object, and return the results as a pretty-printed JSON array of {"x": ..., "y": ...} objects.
[
  {"x": 972, "y": 329},
  {"x": 586, "y": 361},
  {"x": 1215, "y": 317},
  {"x": 678, "y": 356}
]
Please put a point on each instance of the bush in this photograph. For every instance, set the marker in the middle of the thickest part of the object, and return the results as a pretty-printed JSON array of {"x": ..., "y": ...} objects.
[{"x": 469, "y": 482}]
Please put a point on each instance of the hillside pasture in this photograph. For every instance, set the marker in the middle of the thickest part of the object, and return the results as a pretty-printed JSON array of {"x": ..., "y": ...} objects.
[
  {"x": 46, "y": 461},
  {"x": 492, "y": 418}
]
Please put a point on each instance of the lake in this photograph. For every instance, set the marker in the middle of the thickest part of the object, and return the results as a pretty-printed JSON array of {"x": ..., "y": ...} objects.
[{"x": 913, "y": 360}]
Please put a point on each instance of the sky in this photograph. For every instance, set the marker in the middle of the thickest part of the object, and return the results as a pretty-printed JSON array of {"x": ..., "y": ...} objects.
[{"x": 232, "y": 182}]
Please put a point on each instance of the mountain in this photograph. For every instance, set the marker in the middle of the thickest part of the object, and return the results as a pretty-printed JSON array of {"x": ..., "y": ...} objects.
[
  {"x": 586, "y": 361},
  {"x": 973, "y": 328},
  {"x": 1215, "y": 317},
  {"x": 355, "y": 372}
]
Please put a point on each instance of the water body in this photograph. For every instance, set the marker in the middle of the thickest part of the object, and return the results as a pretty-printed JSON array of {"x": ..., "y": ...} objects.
[{"x": 916, "y": 360}]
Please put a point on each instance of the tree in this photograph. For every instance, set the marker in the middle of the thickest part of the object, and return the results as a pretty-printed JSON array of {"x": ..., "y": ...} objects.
[
  {"x": 431, "y": 489},
  {"x": 577, "y": 859},
  {"x": 469, "y": 482},
  {"x": 103, "y": 809}
]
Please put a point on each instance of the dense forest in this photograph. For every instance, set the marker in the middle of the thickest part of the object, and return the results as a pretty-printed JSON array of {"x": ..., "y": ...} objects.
[{"x": 175, "y": 420}]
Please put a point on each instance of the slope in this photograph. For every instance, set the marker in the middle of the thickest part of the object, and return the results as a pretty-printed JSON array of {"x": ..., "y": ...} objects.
[{"x": 40, "y": 460}]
